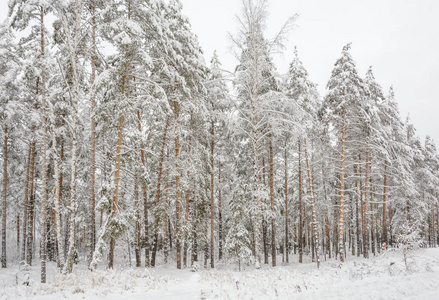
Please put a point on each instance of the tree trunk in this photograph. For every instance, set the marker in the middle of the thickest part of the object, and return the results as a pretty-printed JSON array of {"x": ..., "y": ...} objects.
[
  {"x": 264, "y": 222},
  {"x": 384, "y": 237},
  {"x": 351, "y": 226},
  {"x": 257, "y": 240},
  {"x": 437, "y": 225},
  {"x": 273, "y": 219},
  {"x": 206, "y": 226},
  {"x": 92, "y": 215},
  {"x": 357, "y": 211},
  {"x": 313, "y": 208},
  {"x": 61, "y": 178},
  {"x": 335, "y": 228},
  {"x": 300, "y": 208},
  {"x": 167, "y": 229},
  {"x": 57, "y": 203},
  {"x": 220, "y": 220},
  {"x": 145, "y": 203},
  {"x": 186, "y": 216},
  {"x": 255, "y": 139},
  {"x": 43, "y": 153},
  {"x": 157, "y": 195},
  {"x": 18, "y": 234},
  {"x": 118, "y": 151},
  {"x": 5, "y": 184},
  {"x": 30, "y": 222},
  {"x": 327, "y": 225},
  {"x": 365, "y": 210},
  {"x": 137, "y": 228},
  {"x": 361, "y": 206},
  {"x": 145, "y": 200},
  {"x": 75, "y": 99},
  {"x": 117, "y": 174},
  {"x": 26, "y": 204},
  {"x": 287, "y": 243},
  {"x": 341, "y": 221},
  {"x": 432, "y": 227},
  {"x": 373, "y": 217},
  {"x": 377, "y": 231},
  {"x": 178, "y": 233},
  {"x": 72, "y": 209},
  {"x": 212, "y": 200}
]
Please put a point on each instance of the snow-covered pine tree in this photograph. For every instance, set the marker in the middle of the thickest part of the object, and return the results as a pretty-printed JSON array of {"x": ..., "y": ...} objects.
[
  {"x": 374, "y": 149},
  {"x": 217, "y": 106},
  {"x": 257, "y": 88},
  {"x": 9, "y": 70},
  {"x": 345, "y": 94},
  {"x": 22, "y": 13},
  {"x": 302, "y": 109}
]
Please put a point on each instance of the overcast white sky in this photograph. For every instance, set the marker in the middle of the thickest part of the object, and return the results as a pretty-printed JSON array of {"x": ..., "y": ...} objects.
[{"x": 399, "y": 38}]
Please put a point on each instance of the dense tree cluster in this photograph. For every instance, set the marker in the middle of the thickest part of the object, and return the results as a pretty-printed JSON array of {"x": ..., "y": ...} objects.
[{"x": 119, "y": 139}]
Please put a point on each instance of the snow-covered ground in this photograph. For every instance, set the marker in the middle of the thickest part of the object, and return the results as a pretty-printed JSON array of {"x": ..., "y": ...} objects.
[{"x": 382, "y": 277}]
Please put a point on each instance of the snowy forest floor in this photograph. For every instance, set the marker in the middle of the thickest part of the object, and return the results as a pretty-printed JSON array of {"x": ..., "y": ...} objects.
[{"x": 384, "y": 276}]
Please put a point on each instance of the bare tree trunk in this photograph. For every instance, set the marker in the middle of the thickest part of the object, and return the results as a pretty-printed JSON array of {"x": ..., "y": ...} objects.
[
  {"x": 323, "y": 239},
  {"x": 117, "y": 175},
  {"x": 372, "y": 232},
  {"x": 212, "y": 200},
  {"x": 30, "y": 228},
  {"x": 145, "y": 223},
  {"x": 43, "y": 150},
  {"x": 166, "y": 238},
  {"x": 264, "y": 222},
  {"x": 377, "y": 231},
  {"x": 373, "y": 216},
  {"x": 157, "y": 197},
  {"x": 361, "y": 206},
  {"x": 177, "y": 186},
  {"x": 351, "y": 226},
  {"x": 26, "y": 204},
  {"x": 335, "y": 228},
  {"x": 61, "y": 178},
  {"x": 57, "y": 202},
  {"x": 18, "y": 234},
  {"x": 258, "y": 226},
  {"x": 92, "y": 215},
  {"x": 384, "y": 237},
  {"x": 366, "y": 206},
  {"x": 300, "y": 209},
  {"x": 72, "y": 222},
  {"x": 287, "y": 243},
  {"x": 118, "y": 152},
  {"x": 437, "y": 225},
  {"x": 313, "y": 208},
  {"x": 220, "y": 219},
  {"x": 432, "y": 227},
  {"x": 5, "y": 185},
  {"x": 75, "y": 99},
  {"x": 341, "y": 221},
  {"x": 327, "y": 225},
  {"x": 137, "y": 228},
  {"x": 357, "y": 216},
  {"x": 169, "y": 232},
  {"x": 145, "y": 200},
  {"x": 186, "y": 216},
  {"x": 51, "y": 229},
  {"x": 194, "y": 215},
  {"x": 206, "y": 225},
  {"x": 273, "y": 219}
]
